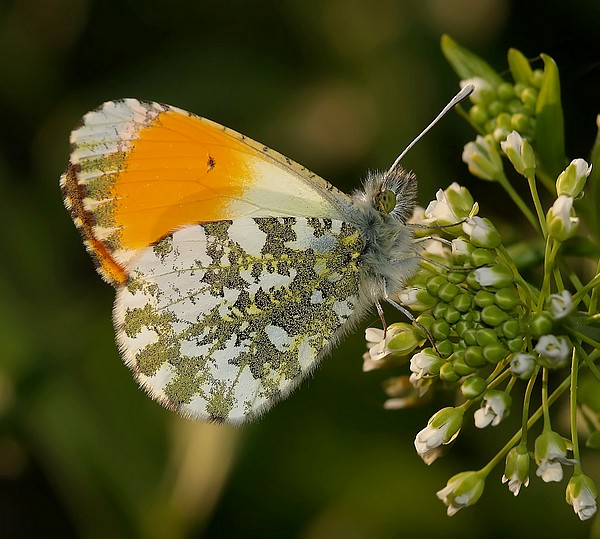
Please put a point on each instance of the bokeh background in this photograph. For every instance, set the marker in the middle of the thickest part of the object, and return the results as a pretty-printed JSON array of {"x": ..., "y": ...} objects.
[{"x": 340, "y": 86}]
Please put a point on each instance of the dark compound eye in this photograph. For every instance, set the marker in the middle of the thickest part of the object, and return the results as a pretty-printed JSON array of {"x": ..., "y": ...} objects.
[{"x": 385, "y": 201}]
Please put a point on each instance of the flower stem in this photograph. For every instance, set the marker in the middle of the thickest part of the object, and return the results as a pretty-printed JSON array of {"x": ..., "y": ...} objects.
[
  {"x": 532, "y": 420},
  {"x": 538, "y": 205},
  {"x": 503, "y": 181},
  {"x": 573, "y": 406}
]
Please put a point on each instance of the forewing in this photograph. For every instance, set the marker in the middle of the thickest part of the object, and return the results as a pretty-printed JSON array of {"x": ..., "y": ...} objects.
[
  {"x": 221, "y": 320},
  {"x": 140, "y": 170}
]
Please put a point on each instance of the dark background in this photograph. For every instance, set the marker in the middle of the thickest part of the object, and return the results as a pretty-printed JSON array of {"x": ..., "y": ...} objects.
[{"x": 341, "y": 87}]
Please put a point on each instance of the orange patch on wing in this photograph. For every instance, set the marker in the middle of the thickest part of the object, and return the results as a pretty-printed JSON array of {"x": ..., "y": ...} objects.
[
  {"x": 180, "y": 170},
  {"x": 110, "y": 269}
]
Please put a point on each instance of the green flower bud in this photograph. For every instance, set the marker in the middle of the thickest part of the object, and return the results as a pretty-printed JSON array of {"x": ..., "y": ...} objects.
[
  {"x": 486, "y": 336},
  {"x": 405, "y": 338},
  {"x": 440, "y": 330},
  {"x": 474, "y": 356},
  {"x": 448, "y": 374},
  {"x": 511, "y": 328},
  {"x": 470, "y": 337},
  {"x": 447, "y": 292},
  {"x": 482, "y": 257},
  {"x": 483, "y": 158},
  {"x": 495, "y": 108},
  {"x": 505, "y": 91},
  {"x": 494, "y": 353},
  {"x": 520, "y": 153},
  {"x": 529, "y": 98},
  {"x": 456, "y": 277},
  {"x": 473, "y": 387},
  {"x": 507, "y": 298},
  {"x": 462, "y": 302},
  {"x": 478, "y": 114},
  {"x": 433, "y": 284},
  {"x": 493, "y": 315},
  {"x": 481, "y": 232},
  {"x": 445, "y": 348},
  {"x": 561, "y": 219},
  {"x": 519, "y": 122},
  {"x": 483, "y": 298},
  {"x": 460, "y": 366},
  {"x": 461, "y": 326},
  {"x": 541, "y": 325},
  {"x": 516, "y": 344},
  {"x": 452, "y": 315},
  {"x": 439, "y": 310}
]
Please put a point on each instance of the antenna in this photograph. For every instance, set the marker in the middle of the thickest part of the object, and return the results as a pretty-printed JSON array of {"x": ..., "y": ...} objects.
[{"x": 458, "y": 98}]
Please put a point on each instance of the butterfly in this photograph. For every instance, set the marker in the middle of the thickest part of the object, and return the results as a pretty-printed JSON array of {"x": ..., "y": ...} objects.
[{"x": 236, "y": 269}]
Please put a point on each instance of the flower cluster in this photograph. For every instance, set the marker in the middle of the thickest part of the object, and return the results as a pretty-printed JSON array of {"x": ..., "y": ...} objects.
[{"x": 481, "y": 326}]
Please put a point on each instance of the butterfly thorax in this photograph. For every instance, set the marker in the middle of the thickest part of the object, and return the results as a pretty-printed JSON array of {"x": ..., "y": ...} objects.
[{"x": 383, "y": 206}]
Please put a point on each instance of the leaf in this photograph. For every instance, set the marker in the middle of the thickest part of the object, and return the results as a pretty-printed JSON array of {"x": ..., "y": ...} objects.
[
  {"x": 466, "y": 64},
  {"x": 549, "y": 127},
  {"x": 519, "y": 67}
]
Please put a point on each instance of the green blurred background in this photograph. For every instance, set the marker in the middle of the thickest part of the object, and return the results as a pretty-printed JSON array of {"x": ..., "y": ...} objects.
[{"x": 341, "y": 87}]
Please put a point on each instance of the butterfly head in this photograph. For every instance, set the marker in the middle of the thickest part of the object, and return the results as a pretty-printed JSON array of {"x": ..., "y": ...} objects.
[{"x": 392, "y": 194}]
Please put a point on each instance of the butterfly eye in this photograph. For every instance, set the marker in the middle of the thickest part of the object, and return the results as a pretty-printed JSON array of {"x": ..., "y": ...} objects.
[{"x": 385, "y": 201}]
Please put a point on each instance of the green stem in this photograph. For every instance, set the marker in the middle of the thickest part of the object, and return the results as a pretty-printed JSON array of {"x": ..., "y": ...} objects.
[
  {"x": 552, "y": 247},
  {"x": 532, "y": 420},
  {"x": 538, "y": 205},
  {"x": 545, "y": 405},
  {"x": 588, "y": 359},
  {"x": 503, "y": 181},
  {"x": 573, "y": 409},
  {"x": 527, "y": 401}
]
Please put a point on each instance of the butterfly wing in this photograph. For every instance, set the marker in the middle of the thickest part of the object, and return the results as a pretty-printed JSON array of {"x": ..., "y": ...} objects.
[
  {"x": 140, "y": 170},
  {"x": 221, "y": 320}
]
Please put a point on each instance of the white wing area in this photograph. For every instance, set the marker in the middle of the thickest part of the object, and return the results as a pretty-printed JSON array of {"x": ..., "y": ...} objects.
[{"x": 221, "y": 320}]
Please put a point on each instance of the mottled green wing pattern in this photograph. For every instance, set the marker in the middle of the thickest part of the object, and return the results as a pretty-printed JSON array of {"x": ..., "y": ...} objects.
[{"x": 223, "y": 319}]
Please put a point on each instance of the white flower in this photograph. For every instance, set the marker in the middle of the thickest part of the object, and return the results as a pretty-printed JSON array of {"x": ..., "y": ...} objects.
[
  {"x": 561, "y": 305},
  {"x": 498, "y": 276},
  {"x": 494, "y": 408},
  {"x": 554, "y": 351},
  {"x": 481, "y": 232},
  {"x": 520, "y": 153},
  {"x": 561, "y": 219},
  {"x": 450, "y": 206},
  {"x": 441, "y": 429},
  {"x": 483, "y": 159},
  {"x": 516, "y": 472},
  {"x": 522, "y": 365},
  {"x": 439, "y": 211},
  {"x": 571, "y": 181},
  {"x": 425, "y": 364},
  {"x": 581, "y": 494},
  {"x": 462, "y": 490},
  {"x": 550, "y": 454}
]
